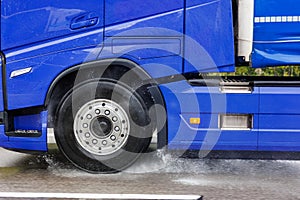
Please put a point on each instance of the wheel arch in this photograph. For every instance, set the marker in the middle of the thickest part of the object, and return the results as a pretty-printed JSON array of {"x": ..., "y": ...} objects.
[
  {"x": 114, "y": 69},
  {"x": 73, "y": 71}
]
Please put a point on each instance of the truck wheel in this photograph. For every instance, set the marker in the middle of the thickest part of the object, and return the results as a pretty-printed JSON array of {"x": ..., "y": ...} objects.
[{"x": 102, "y": 126}]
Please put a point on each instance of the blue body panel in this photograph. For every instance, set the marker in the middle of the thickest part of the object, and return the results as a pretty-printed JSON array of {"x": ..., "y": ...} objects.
[
  {"x": 48, "y": 43},
  {"x": 276, "y": 33},
  {"x": 28, "y": 143},
  {"x": 279, "y": 118},
  {"x": 131, "y": 14},
  {"x": 149, "y": 33},
  {"x": 209, "y": 41},
  {"x": 54, "y": 36},
  {"x": 30, "y": 87},
  {"x": 275, "y": 113},
  {"x": 1, "y": 88},
  {"x": 38, "y": 21},
  {"x": 207, "y": 103}
]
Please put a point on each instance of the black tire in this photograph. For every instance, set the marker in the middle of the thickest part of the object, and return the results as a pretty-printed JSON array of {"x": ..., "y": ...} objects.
[{"x": 71, "y": 141}]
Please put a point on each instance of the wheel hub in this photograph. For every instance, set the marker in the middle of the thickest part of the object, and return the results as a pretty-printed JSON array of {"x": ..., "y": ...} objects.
[{"x": 101, "y": 127}]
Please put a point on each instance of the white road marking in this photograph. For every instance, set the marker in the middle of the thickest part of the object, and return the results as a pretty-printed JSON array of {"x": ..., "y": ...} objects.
[{"x": 94, "y": 196}]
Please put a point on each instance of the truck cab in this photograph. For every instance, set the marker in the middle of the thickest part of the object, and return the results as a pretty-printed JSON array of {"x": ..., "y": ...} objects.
[{"x": 108, "y": 75}]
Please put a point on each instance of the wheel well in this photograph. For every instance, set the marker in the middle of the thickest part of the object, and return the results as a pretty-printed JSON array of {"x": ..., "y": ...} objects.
[
  {"x": 61, "y": 87},
  {"x": 119, "y": 70}
]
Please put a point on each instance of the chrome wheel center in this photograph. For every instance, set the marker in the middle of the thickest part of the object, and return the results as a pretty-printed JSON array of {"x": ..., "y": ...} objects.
[{"x": 101, "y": 127}]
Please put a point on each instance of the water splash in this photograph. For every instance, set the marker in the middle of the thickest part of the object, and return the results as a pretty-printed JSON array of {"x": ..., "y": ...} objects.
[{"x": 162, "y": 161}]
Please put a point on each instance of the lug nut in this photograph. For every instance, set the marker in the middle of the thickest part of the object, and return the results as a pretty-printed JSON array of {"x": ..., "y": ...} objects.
[
  {"x": 115, "y": 119},
  {"x": 107, "y": 112},
  {"x": 113, "y": 138},
  {"x": 89, "y": 116},
  {"x": 117, "y": 128},
  {"x": 95, "y": 141}
]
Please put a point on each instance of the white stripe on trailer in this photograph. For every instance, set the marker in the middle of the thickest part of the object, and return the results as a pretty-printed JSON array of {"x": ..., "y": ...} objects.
[
  {"x": 95, "y": 196},
  {"x": 277, "y": 19}
]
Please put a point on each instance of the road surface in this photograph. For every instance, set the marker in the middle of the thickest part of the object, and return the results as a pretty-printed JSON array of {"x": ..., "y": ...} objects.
[{"x": 154, "y": 173}]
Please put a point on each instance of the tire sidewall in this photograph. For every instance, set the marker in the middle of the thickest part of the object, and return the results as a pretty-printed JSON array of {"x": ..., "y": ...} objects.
[{"x": 137, "y": 140}]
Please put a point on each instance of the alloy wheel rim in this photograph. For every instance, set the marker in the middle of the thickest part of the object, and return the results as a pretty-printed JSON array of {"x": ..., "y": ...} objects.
[{"x": 101, "y": 127}]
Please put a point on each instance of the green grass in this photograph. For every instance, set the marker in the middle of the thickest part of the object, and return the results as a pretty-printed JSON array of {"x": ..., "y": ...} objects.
[{"x": 282, "y": 71}]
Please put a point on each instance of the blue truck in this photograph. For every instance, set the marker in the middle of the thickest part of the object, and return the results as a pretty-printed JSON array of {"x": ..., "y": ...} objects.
[{"x": 106, "y": 75}]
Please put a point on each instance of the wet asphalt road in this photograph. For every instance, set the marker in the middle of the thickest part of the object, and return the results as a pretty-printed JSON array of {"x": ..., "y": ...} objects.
[{"x": 154, "y": 173}]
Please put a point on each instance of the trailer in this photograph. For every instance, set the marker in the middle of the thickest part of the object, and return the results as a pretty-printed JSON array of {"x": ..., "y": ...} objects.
[{"x": 107, "y": 75}]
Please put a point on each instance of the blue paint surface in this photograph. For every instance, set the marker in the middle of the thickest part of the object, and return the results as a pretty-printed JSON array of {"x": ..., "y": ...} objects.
[
  {"x": 28, "y": 143},
  {"x": 1, "y": 88},
  {"x": 209, "y": 43},
  {"x": 276, "y": 41}
]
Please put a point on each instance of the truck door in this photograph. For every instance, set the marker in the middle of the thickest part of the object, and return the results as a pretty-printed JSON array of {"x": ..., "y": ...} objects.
[
  {"x": 39, "y": 40},
  {"x": 27, "y": 23},
  {"x": 32, "y": 30}
]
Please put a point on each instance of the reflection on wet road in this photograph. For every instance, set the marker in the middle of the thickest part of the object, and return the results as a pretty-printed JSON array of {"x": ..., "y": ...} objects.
[{"x": 155, "y": 173}]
